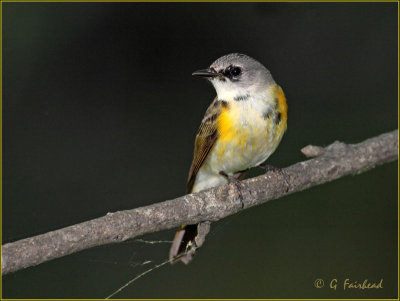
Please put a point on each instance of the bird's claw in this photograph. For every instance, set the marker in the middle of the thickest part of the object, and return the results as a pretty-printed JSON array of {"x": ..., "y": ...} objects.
[{"x": 236, "y": 187}]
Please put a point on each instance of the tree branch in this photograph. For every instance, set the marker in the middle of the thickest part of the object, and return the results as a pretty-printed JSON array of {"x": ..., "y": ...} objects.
[{"x": 330, "y": 163}]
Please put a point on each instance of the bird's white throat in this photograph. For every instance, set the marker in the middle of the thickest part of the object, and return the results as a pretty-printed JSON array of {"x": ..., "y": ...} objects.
[{"x": 229, "y": 91}]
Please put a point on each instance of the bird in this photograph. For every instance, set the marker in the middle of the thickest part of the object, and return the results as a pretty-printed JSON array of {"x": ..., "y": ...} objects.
[{"x": 241, "y": 128}]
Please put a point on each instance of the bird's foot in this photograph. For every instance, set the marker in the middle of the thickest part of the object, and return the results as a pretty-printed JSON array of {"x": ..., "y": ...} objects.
[{"x": 237, "y": 185}]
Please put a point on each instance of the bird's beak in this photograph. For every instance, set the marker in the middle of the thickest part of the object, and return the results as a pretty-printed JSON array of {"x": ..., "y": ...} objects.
[{"x": 206, "y": 73}]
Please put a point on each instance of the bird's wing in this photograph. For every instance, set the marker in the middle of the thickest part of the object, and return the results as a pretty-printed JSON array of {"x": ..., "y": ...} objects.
[{"x": 205, "y": 140}]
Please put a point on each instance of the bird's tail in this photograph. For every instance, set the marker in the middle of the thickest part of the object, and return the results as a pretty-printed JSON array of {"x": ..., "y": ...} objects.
[
  {"x": 187, "y": 239},
  {"x": 184, "y": 244}
]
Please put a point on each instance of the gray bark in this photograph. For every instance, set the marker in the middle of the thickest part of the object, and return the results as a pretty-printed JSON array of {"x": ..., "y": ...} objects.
[{"x": 330, "y": 163}]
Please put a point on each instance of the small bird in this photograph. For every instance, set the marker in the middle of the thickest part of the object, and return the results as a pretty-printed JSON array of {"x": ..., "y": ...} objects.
[{"x": 241, "y": 128}]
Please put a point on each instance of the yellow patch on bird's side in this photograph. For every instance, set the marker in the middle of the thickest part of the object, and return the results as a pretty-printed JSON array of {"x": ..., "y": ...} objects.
[
  {"x": 225, "y": 129},
  {"x": 229, "y": 132},
  {"x": 282, "y": 109},
  {"x": 225, "y": 124},
  {"x": 282, "y": 105}
]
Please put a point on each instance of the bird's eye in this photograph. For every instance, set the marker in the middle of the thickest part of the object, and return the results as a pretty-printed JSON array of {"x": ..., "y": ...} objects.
[{"x": 236, "y": 71}]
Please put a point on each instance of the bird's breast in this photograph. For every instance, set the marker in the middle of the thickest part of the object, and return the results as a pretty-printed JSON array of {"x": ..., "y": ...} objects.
[{"x": 249, "y": 131}]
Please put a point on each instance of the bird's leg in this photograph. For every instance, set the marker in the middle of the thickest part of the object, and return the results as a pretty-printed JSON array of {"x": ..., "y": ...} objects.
[
  {"x": 240, "y": 174},
  {"x": 269, "y": 168},
  {"x": 235, "y": 180}
]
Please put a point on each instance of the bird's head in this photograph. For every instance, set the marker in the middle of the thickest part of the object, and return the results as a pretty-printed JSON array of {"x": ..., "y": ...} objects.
[{"x": 235, "y": 75}]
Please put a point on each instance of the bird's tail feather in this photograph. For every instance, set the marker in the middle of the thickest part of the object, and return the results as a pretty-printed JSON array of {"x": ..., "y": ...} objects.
[
  {"x": 184, "y": 244},
  {"x": 187, "y": 239}
]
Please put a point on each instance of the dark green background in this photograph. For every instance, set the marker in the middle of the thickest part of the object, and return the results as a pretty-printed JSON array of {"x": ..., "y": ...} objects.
[{"x": 100, "y": 112}]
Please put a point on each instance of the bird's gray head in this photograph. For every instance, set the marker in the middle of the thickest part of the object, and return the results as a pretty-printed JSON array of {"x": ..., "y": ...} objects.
[{"x": 236, "y": 74}]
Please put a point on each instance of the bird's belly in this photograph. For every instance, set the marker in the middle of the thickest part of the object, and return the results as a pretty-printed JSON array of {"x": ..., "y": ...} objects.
[{"x": 245, "y": 146}]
